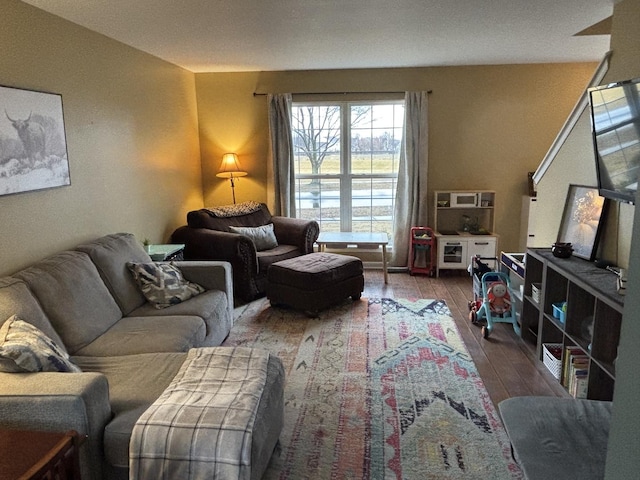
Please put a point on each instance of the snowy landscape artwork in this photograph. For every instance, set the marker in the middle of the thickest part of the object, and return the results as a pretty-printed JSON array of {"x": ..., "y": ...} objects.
[{"x": 33, "y": 147}]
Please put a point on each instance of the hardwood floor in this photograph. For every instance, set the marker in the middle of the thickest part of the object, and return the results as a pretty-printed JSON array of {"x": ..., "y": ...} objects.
[{"x": 506, "y": 364}]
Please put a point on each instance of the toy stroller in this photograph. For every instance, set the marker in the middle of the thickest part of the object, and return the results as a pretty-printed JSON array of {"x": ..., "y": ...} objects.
[{"x": 492, "y": 298}]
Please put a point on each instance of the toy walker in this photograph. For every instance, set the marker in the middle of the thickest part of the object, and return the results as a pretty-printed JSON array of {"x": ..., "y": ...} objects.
[{"x": 492, "y": 298}]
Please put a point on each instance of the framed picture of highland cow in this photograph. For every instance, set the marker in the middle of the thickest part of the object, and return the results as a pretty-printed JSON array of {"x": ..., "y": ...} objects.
[{"x": 33, "y": 146}]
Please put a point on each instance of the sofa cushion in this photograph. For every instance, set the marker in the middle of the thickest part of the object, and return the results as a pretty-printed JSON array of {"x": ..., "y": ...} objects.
[
  {"x": 282, "y": 252},
  {"x": 16, "y": 298},
  {"x": 162, "y": 284},
  {"x": 110, "y": 254},
  {"x": 262, "y": 236},
  {"x": 210, "y": 306},
  {"x": 135, "y": 382},
  {"x": 133, "y": 335},
  {"x": 74, "y": 297},
  {"x": 25, "y": 348}
]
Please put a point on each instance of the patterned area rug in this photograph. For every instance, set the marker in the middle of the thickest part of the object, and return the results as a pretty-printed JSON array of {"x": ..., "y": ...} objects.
[{"x": 378, "y": 389}]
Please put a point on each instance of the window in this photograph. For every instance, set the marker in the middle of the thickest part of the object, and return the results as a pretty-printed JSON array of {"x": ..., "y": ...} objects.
[{"x": 346, "y": 158}]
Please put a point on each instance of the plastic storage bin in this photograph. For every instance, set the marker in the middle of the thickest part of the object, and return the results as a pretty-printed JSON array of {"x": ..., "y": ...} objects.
[
  {"x": 552, "y": 358},
  {"x": 560, "y": 311}
]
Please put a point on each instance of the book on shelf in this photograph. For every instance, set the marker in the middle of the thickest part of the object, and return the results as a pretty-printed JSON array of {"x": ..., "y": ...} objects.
[
  {"x": 580, "y": 385},
  {"x": 578, "y": 373},
  {"x": 573, "y": 359},
  {"x": 566, "y": 360}
]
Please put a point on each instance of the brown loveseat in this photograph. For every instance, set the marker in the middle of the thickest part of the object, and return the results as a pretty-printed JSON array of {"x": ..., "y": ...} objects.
[{"x": 208, "y": 236}]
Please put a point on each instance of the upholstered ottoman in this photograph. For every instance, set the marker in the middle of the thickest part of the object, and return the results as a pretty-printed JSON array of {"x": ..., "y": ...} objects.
[
  {"x": 315, "y": 281},
  {"x": 220, "y": 417}
]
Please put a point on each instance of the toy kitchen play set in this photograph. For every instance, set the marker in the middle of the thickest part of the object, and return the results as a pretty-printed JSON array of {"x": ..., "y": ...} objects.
[{"x": 464, "y": 227}]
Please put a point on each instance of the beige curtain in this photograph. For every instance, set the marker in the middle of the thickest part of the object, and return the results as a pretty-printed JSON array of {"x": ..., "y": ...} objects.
[
  {"x": 411, "y": 204},
  {"x": 282, "y": 154}
]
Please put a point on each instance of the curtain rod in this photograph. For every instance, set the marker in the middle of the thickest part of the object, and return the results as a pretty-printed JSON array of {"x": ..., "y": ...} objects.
[{"x": 256, "y": 94}]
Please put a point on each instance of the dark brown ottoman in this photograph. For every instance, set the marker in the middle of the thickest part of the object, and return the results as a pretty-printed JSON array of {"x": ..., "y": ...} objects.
[{"x": 315, "y": 281}]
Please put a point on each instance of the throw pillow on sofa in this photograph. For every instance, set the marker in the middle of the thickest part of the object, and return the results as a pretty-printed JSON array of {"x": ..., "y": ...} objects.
[
  {"x": 162, "y": 284},
  {"x": 25, "y": 348},
  {"x": 263, "y": 237}
]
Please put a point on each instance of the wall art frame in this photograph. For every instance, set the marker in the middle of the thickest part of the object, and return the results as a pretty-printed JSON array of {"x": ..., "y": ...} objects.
[
  {"x": 33, "y": 145},
  {"x": 582, "y": 220}
]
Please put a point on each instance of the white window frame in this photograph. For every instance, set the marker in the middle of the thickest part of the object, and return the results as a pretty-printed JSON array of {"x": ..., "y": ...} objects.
[{"x": 347, "y": 177}]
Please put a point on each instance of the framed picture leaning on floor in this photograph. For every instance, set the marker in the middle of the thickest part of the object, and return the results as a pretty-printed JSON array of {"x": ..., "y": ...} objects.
[
  {"x": 584, "y": 211},
  {"x": 33, "y": 146}
]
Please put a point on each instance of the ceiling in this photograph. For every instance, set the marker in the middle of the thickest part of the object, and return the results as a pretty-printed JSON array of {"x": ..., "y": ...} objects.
[{"x": 260, "y": 35}]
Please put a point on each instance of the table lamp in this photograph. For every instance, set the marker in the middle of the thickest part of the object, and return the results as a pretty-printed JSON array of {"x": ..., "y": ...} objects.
[{"x": 230, "y": 168}]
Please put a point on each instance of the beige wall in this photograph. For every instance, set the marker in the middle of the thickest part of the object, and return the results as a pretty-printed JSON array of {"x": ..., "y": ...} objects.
[
  {"x": 131, "y": 131},
  {"x": 489, "y": 125},
  {"x": 132, "y": 125},
  {"x": 231, "y": 119}
]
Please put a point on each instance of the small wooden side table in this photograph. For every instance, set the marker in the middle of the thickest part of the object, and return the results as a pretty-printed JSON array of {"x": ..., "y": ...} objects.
[
  {"x": 37, "y": 455},
  {"x": 165, "y": 252}
]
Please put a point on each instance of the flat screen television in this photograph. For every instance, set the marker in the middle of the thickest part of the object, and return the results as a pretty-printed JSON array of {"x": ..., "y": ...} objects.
[{"x": 615, "y": 128}]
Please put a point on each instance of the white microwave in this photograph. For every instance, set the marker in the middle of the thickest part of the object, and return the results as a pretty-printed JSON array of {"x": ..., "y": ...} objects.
[{"x": 464, "y": 199}]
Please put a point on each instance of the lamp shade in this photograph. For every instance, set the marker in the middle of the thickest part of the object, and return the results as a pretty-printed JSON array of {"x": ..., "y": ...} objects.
[{"x": 230, "y": 167}]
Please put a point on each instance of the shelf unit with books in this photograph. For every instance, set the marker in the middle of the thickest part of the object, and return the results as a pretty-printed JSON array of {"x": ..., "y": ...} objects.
[{"x": 585, "y": 323}]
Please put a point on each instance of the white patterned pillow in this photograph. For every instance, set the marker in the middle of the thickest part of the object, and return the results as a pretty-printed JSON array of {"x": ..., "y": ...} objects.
[
  {"x": 263, "y": 237},
  {"x": 25, "y": 348},
  {"x": 163, "y": 284}
]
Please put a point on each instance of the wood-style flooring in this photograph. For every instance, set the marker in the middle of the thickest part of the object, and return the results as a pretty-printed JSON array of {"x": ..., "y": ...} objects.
[{"x": 507, "y": 366}]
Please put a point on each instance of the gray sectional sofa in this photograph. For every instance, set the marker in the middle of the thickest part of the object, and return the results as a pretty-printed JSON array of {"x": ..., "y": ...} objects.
[{"x": 88, "y": 302}]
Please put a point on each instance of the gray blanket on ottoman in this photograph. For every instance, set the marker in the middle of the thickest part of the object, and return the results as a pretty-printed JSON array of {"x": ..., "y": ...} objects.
[{"x": 202, "y": 425}]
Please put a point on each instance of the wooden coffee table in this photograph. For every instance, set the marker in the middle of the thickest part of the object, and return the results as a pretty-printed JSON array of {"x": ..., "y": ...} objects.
[{"x": 358, "y": 240}]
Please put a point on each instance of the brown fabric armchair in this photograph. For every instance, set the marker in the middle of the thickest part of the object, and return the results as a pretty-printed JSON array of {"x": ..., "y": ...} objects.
[{"x": 207, "y": 236}]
